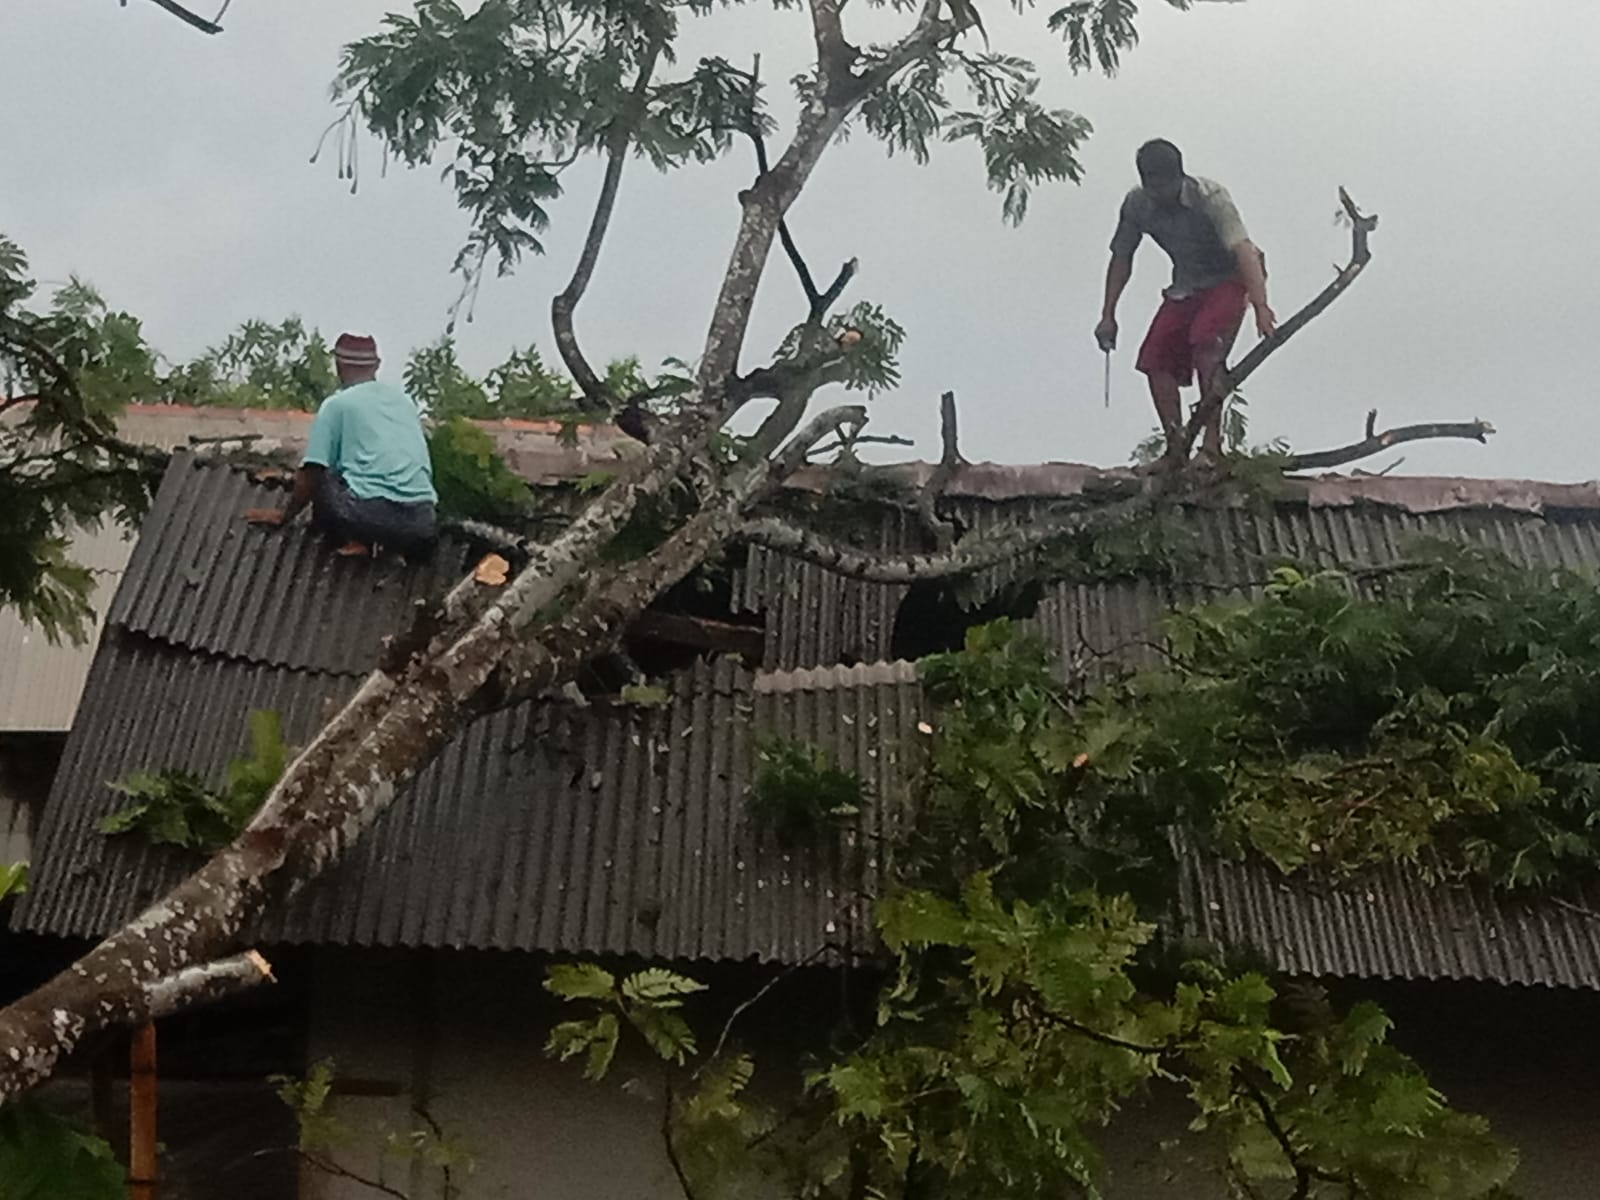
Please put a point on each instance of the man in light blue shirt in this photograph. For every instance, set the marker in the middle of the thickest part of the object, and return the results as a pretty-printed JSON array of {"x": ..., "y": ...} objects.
[{"x": 366, "y": 472}]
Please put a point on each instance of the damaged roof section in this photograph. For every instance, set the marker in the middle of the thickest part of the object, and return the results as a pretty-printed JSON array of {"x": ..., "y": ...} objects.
[
  {"x": 543, "y": 827},
  {"x": 816, "y": 618},
  {"x": 624, "y": 829}
]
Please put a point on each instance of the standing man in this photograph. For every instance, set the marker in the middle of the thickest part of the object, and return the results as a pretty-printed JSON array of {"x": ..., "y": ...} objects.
[
  {"x": 366, "y": 474},
  {"x": 1216, "y": 269}
]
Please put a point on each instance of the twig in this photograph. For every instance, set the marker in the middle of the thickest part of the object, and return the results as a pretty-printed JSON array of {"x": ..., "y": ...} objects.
[
  {"x": 339, "y": 1172},
  {"x": 1304, "y": 1172},
  {"x": 592, "y": 388},
  {"x": 745, "y": 1005},
  {"x": 1375, "y": 443},
  {"x": 1229, "y": 381},
  {"x": 1104, "y": 1039},
  {"x": 666, "y": 1136},
  {"x": 867, "y": 439},
  {"x": 1579, "y": 909}
]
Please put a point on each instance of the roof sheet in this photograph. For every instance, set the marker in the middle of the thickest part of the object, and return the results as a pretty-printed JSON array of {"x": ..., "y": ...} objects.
[
  {"x": 1390, "y": 924},
  {"x": 542, "y": 827},
  {"x": 40, "y": 680},
  {"x": 203, "y": 578}
]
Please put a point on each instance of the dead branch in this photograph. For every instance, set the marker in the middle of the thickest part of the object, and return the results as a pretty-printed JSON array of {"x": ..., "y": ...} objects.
[
  {"x": 1361, "y": 227},
  {"x": 941, "y": 531},
  {"x": 594, "y": 392},
  {"x": 972, "y": 553},
  {"x": 865, "y": 439},
  {"x": 192, "y": 19},
  {"x": 1375, "y": 443}
]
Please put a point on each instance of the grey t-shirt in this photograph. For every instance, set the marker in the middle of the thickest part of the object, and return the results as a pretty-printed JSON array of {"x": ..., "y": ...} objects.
[{"x": 1199, "y": 234}]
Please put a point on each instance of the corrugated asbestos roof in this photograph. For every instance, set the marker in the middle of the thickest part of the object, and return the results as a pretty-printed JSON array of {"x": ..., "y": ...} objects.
[
  {"x": 542, "y": 827},
  {"x": 623, "y": 831},
  {"x": 816, "y": 618},
  {"x": 40, "y": 681},
  {"x": 1389, "y": 924},
  {"x": 204, "y": 579}
]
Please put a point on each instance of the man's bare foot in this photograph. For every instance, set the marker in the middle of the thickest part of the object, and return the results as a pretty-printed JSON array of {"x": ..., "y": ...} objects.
[{"x": 352, "y": 550}]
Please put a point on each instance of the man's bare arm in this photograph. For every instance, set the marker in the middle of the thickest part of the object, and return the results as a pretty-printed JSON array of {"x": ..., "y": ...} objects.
[
  {"x": 306, "y": 480},
  {"x": 1118, "y": 272},
  {"x": 1254, "y": 276}
]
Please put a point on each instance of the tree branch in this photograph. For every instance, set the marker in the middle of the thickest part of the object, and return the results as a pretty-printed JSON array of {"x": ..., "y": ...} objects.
[
  {"x": 193, "y": 986},
  {"x": 1361, "y": 227},
  {"x": 1375, "y": 443},
  {"x": 1303, "y": 1174},
  {"x": 618, "y": 138},
  {"x": 668, "y": 1101},
  {"x": 338, "y": 1172},
  {"x": 192, "y": 19},
  {"x": 599, "y": 616},
  {"x": 817, "y": 303},
  {"x": 972, "y": 553},
  {"x": 941, "y": 531}
]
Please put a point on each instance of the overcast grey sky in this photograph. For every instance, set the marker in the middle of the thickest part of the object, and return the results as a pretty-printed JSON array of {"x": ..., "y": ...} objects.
[{"x": 171, "y": 170}]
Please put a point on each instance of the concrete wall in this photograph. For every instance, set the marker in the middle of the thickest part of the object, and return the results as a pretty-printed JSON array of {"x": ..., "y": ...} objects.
[
  {"x": 27, "y": 765},
  {"x": 465, "y": 1032}
]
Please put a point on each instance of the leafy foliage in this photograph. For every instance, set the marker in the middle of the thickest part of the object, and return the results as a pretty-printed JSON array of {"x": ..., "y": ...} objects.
[
  {"x": 177, "y": 808},
  {"x": 65, "y": 373},
  {"x": 320, "y": 1131},
  {"x": 260, "y": 365},
  {"x": 44, "y": 1156},
  {"x": 649, "y": 1002},
  {"x": 1010, "y": 1034},
  {"x": 470, "y": 476},
  {"x": 799, "y": 794},
  {"x": 1028, "y": 1002},
  {"x": 1431, "y": 715}
]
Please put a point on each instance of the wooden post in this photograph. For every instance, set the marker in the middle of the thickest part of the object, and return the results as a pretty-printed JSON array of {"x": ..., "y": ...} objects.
[{"x": 142, "y": 1167}]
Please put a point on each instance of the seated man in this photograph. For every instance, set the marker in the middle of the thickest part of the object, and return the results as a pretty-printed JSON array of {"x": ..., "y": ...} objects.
[{"x": 366, "y": 473}]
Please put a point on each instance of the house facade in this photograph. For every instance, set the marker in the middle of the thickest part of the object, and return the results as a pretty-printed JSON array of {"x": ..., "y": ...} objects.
[{"x": 551, "y": 831}]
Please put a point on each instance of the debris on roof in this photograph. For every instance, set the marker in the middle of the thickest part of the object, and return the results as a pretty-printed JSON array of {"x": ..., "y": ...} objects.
[{"x": 620, "y": 829}]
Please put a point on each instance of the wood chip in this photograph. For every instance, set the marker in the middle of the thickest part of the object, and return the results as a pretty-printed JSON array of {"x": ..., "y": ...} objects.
[{"x": 492, "y": 570}]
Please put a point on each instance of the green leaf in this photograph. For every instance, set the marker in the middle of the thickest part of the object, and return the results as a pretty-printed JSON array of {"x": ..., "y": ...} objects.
[
  {"x": 645, "y": 696},
  {"x": 659, "y": 986},
  {"x": 580, "y": 981},
  {"x": 13, "y": 879}
]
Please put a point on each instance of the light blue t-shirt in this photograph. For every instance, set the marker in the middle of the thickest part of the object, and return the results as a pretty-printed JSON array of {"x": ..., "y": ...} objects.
[{"x": 371, "y": 434}]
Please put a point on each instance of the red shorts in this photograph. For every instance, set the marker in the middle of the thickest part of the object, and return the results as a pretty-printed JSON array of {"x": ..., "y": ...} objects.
[{"x": 1208, "y": 318}]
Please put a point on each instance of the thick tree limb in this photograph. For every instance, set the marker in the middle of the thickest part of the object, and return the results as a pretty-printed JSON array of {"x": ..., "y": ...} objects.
[
  {"x": 618, "y": 138},
  {"x": 769, "y": 200},
  {"x": 193, "y": 986},
  {"x": 1361, "y": 227},
  {"x": 972, "y": 553},
  {"x": 1376, "y": 443},
  {"x": 603, "y": 612}
]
